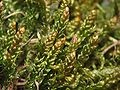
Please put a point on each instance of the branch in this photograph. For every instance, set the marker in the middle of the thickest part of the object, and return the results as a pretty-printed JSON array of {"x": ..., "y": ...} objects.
[
  {"x": 12, "y": 14},
  {"x": 111, "y": 46}
]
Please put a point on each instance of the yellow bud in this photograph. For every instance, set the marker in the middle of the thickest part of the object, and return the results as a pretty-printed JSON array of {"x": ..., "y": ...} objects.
[
  {"x": 22, "y": 30},
  {"x": 58, "y": 44},
  {"x": 13, "y": 25},
  {"x": 65, "y": 13},
  {"x": 114, "y": 21},
  {"x": 77, "y": 18},
  {"x": 94, "y": 12},
  {"x": 54, "y": 34},
  {"x": 63, "y": 39}
]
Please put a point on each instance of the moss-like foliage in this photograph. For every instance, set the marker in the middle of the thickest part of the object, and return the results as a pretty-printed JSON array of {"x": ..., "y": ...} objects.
[{"x": 59, "y": 44}]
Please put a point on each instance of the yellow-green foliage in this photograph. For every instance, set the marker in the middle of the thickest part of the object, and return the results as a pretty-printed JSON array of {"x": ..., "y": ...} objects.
[{"x": 60, "y": 44}]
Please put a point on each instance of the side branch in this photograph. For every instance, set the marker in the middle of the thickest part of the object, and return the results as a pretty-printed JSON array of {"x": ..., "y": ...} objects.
[{"x": 111, "y": 46}]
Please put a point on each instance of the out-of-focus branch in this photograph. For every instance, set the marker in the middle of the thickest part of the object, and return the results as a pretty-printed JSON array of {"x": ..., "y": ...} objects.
[
  {"x": 12, "y": 14},
  {"x": 111, "y": 46}
]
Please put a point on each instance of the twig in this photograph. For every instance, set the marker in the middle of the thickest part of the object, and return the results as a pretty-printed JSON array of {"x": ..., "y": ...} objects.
[
  {"x": 34, "y": 41},
  {"x": 111, "y": 46},
  {"x": 21, "y": 67},
  {"x": 12, "y": 14},
  {"x": 112, "y": 39},
  {"x": 28, "y": 41},
  {"x": 37, "y": 85}
]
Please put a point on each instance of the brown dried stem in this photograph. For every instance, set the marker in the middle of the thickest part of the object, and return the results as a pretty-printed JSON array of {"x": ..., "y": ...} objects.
[{"x": 111, "y": 46}]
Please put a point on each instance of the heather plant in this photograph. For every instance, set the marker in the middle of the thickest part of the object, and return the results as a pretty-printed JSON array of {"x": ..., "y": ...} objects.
[{"x": 59, "y": 45}]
